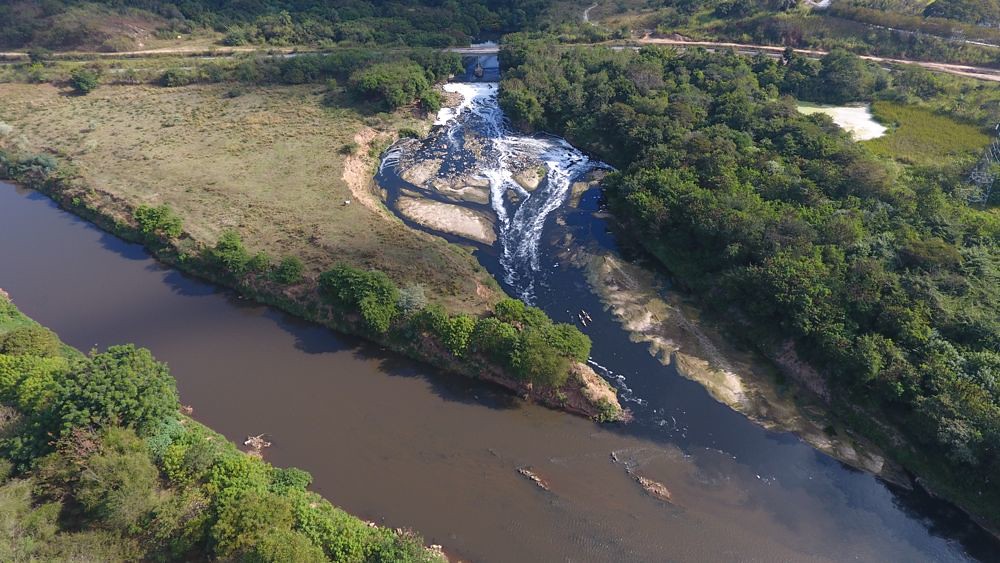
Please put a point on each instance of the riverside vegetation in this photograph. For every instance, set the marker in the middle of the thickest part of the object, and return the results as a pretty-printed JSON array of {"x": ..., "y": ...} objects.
[
  {"x": 881, "y": 276},
  {"x": 98, "y": 463}
]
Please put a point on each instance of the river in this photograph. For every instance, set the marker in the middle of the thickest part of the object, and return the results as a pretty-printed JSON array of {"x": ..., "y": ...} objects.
[{"x": 400, "y": 444}]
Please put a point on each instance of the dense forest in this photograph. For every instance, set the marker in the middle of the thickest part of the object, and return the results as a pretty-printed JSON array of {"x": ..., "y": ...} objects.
[
  {"x": 98, "y": 464},
  {"x": 980, "y": 12},
  {"x": 63, "y": 24},
  {"x": 801, "y": 241}
]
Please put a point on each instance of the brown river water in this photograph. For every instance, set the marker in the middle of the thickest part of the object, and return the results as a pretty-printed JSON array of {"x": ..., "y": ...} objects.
[{"x": 398, "y": 443}]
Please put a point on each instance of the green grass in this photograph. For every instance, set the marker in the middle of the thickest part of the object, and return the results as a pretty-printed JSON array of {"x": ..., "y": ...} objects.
[
  {"x": 919, "y": 136},
  {"x": 10, "y": 317}
]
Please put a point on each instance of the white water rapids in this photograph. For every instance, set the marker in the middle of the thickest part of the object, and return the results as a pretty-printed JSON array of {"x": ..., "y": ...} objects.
[{"x": 520, "y": 220}]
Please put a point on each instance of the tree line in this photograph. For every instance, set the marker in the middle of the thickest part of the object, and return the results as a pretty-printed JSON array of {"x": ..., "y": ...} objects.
[
  {"x": 385, "y": 80},
  {"x": 881, "y": 277}
]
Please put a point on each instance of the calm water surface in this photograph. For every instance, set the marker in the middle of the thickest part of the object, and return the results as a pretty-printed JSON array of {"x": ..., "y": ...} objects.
[{"x": 398, "y": 443}]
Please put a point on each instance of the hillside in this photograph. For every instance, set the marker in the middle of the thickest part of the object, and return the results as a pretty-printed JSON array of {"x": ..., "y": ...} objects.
[{"x": 111, "y": 25}]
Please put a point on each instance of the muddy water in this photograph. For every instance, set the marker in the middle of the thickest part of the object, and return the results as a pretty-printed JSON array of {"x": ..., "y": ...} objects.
[{"x": 396, "y": 443}]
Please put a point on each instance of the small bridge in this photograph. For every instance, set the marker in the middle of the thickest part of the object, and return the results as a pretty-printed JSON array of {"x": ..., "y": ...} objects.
[{"x": 475, "y": 50}]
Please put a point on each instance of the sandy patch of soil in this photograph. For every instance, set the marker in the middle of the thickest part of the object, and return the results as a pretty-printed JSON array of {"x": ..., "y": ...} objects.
[
  {"x": 448, "y": 218},
  {"x": 856, "y": 120},
  {"x": 357, "y": 172}
]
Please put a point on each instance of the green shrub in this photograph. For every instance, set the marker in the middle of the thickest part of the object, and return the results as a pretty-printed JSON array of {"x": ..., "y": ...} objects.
[
  {"x": 342, "y": 537},
  {"x": 394, "y": 83},
  {"x": 495, "y": 339},
  {"x": 260, "y": 262},
  {"x": 412, "y": 299},
  {"x": 430, "y": 101},
  {"x": 83, "y": 80},
  {"x": 455, "y": 334},
  {"x": 173, "y": 77},
  {"x": 535, "y": 360},
  {"x": 229, "y": 254},
  {"x": 179, "y": 525},
  {"x": 280, "y": 546},
  {"x": 34, "y": 340},
  {"x": 119, "y": 487},
  {"x": 288, "y": 479},
  {"x": 289, "y": 271},
  {"x": 30, "y": 383},
  {"x": 371, "y": 293},
  {"x": 237, "y": 472},
  {"x": 158, "y": 222},
  {"x": 569, "y": 341},
  {"x": 245, "y": 518},
  {"x": 123, "y": 386}
]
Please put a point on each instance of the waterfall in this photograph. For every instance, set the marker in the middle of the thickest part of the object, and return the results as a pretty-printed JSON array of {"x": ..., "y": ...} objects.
[{"x": 520, "y": 221}]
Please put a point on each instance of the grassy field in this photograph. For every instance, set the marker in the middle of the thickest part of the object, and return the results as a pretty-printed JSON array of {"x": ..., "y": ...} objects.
[
  {"x": 269, "y": 162},
  {"x": 919, "y": 136}
]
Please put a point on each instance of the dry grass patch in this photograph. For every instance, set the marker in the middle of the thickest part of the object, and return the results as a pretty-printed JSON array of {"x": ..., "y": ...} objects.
[{"x": 267, "y": 163}]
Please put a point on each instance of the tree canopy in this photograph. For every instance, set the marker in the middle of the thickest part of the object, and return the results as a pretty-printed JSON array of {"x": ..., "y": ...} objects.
[{"x": 884, "y": 278}]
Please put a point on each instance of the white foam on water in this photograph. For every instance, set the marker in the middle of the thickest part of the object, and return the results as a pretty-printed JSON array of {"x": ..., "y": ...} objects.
[
  {"x": 390, "y": 158},
  {"x": 519, "y": 225},
  {"x": 470, "y": 92}
]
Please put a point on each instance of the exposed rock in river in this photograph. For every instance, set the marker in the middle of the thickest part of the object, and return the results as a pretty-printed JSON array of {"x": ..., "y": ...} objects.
[
  {"x": 452, "y": 219},
  {"x": 534, "y": 478},
  {"x": 529, "y": 178},
  {"x": 452, "y": 189},
  {"x": 421, "y": 172},
  {"x": 655, "y": 489}
]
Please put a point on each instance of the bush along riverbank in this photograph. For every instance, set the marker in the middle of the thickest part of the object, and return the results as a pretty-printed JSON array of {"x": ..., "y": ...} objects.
[
  {"x": 517, "y": 347},
  {"x": 97, "y": 462}
]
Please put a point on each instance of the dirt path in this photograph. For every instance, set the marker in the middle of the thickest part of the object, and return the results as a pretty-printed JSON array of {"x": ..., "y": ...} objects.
[
  {"x": 168, "y": 51},
  {"x": 981, "y": 73},
  {"x": 586, "y": 13}
]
